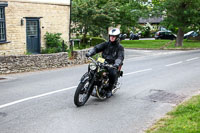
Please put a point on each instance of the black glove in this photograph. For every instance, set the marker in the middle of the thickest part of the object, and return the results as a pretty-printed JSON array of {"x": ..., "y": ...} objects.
[
  {"x": 116, "y": 66},
  {"x": 88, "y": 54}
]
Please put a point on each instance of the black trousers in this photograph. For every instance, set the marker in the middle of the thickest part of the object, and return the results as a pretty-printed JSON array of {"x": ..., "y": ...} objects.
[{"x": 112, "y": 77}]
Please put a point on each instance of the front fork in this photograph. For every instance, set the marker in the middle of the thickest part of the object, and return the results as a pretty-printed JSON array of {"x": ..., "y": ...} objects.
[{"x": 88, "y": 76}]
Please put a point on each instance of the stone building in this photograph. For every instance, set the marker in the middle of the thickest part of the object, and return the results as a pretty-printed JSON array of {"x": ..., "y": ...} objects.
[
  {"x": 23, "y": 24},
  {"x": 153, "y": 22}
]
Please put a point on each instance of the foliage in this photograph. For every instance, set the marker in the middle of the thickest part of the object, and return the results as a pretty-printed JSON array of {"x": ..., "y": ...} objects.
[
  {"x": 90, "y": 41},
  {"x": 29, "y": 53},
  {"x": 129, "y": 13},
  {"x": 179, "y": 15},
  {"x": 54, "y": 43},
  {"x": 94, "y": 17},
  {"x": 182, "y": 13},
  {"x": 146, "y": 31},
  {"x": 95, "y": 40}
]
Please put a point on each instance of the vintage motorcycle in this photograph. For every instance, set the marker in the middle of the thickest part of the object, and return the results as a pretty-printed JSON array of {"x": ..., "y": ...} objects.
[{"x": 95, "y": 81}]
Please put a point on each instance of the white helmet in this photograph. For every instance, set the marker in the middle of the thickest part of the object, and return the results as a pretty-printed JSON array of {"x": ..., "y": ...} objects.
[{"x": 114, "y": 32}]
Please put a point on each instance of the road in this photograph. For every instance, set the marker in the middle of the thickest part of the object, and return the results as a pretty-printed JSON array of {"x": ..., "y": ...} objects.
[{"x": 153, "y": 83}]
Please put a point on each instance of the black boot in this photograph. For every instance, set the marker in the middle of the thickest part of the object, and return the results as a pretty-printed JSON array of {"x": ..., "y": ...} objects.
[
  {"x": 109, "y": 91},
  {"x": 108, "y": 94}
]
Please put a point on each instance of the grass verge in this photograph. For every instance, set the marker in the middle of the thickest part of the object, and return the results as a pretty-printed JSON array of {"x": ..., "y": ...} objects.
[
  {"x": 159, "y": 44},
  {"x": 187, "y": 44},
  {"x": 183, "y": 119},
  {"x": 151, "y": 44},
  {"x": 145, "y": 44}
]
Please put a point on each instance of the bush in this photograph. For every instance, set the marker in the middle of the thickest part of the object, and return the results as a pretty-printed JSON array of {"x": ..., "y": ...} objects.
[
  {"x": 54, "y": 43},
  {"x": 51, "y": 50},
  {"x": 146, "y": 32},
  {"x": 95, "y": 40}
]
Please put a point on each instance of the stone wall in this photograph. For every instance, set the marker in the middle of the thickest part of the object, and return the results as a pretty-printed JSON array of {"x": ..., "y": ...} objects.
[
  {"x": 27, "y": 63},
  {"x": 53, "y": 18}
]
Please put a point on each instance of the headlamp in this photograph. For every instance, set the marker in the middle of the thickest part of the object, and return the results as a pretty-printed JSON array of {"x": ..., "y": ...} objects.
[{"x": 92, "y": 66}]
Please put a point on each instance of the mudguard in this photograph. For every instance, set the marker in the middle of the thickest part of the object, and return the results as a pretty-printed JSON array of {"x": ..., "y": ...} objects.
[{"x": 85, "y": 77}]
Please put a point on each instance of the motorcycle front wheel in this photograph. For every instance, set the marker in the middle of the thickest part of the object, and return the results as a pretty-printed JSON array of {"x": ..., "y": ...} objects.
[{"x": 82, "y": 93}]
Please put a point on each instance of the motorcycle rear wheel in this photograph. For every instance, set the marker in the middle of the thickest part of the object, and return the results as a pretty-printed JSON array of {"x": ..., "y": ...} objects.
[{"x": 82, "y": 93}]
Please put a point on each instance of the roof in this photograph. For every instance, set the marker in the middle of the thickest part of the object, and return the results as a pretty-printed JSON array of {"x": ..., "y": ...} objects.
[
  {"x": 154, "y": 20},
  {"x": 59, "y": 2}
]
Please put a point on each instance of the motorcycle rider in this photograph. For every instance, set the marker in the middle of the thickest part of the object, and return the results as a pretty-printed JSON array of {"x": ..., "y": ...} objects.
[
  {"x": 131, "y": 35},
  {"x": 113, "y": 53}
]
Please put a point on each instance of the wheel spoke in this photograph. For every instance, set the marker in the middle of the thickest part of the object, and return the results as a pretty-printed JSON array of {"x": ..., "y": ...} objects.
[
  {"x": 82, "y": 97},
  {"x": 82, "y": 93}
]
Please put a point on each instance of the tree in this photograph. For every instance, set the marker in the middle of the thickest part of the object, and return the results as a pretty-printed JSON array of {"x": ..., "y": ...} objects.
[
  {"x": 92, "y": 16},
  {"x": 82, "y": 12},
  {"x": 180, "y": 14},
  {"x": 96, "y": 16},
  {"x": 106, "y": 15},
  {"x": 129, "y": 13}
]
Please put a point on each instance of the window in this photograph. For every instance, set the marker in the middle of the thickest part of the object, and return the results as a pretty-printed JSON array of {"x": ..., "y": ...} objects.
[{"x": 2, "y": 25}]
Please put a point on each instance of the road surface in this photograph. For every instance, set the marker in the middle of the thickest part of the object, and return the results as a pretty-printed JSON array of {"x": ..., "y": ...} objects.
[{"x": 153, "y": 83}]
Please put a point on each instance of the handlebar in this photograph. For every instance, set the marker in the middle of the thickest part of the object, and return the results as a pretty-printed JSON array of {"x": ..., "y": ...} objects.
[
  {"x": 104, "y": 64},
  {"x": 92, "y": 60}
]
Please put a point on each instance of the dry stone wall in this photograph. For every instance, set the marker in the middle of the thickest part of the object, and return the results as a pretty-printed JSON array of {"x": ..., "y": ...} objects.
[{"x": 27, "y": 63}]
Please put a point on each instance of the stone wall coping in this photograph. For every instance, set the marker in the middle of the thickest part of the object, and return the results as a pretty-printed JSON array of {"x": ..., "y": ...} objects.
[
  {"x": 33, "y": 55},
  {"x": 83, "y": 50}
]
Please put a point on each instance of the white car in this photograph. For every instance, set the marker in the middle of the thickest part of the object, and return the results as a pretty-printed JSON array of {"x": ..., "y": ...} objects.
[{"x": 190, "y": 34}]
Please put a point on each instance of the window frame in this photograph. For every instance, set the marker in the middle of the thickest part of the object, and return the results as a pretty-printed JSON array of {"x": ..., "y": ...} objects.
[{"x": 2, "y": 6}]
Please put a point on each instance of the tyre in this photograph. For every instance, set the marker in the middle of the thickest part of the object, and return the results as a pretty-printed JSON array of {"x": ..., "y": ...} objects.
[{"x": 82, "y": 93}]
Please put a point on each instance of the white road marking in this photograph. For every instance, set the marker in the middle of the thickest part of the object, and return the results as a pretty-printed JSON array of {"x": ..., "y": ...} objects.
[
  {"x": 34, "y": 97},
  {"x": 174, "y": 64},
  {"x": 192, "y": 59},
  {"x": 147, "y": 51},
  {"x": 53, "y": 92},
  {"x": 138, "y": 71}
]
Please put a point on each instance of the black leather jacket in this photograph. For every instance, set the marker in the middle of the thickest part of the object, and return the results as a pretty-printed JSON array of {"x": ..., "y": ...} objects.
[{"x": 113, "y": 53}]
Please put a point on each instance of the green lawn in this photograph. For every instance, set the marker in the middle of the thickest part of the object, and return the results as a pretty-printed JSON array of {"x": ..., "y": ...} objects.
[
  {"x": 146, "y": 44},
  {"x": 159, "y": 44},
  {"x": 187, "y": 44},
  {"x": 183, "y": 119},
  {"x": 151, "y": 44}
]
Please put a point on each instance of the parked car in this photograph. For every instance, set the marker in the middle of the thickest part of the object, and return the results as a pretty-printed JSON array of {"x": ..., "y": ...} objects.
[
  {"x": 190, "y": 34},
  {"x": 165, "y": 35}
]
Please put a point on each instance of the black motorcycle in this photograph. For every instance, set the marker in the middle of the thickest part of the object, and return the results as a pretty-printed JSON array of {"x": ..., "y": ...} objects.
[
  {"x": 134, "y": 36},
  {"x": 95, "y": 81}
]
